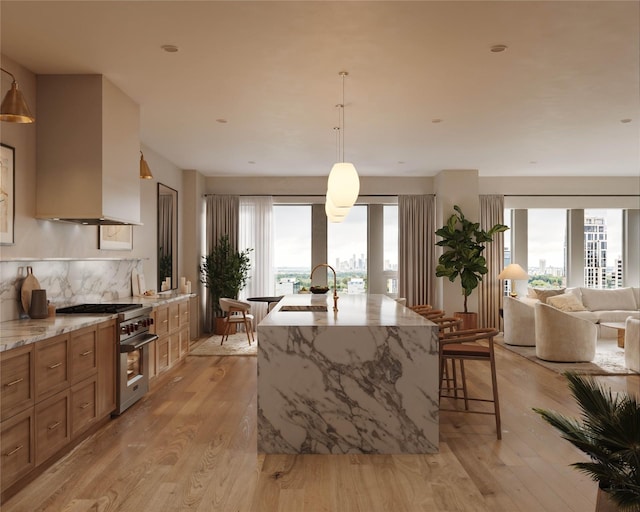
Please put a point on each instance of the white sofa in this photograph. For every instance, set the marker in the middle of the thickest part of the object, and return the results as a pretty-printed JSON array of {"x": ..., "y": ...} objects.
[
  {"x": 632, "y": 344},
  {"x": 593, "y": 305}
]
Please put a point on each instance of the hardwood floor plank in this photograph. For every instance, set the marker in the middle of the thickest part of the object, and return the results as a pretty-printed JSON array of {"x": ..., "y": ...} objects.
[{"x": 190, "y": 444}]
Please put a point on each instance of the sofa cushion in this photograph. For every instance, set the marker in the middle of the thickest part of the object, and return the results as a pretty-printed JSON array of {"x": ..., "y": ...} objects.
[
  {"x": 585, "y": 315},
  {"x": 615, "y": 315},
  {"x": 566, "y": 302},
  {"x": 636, "y": 294},
  {"x": 608, "y": 300},
  {"x": 544, "y": 294}
]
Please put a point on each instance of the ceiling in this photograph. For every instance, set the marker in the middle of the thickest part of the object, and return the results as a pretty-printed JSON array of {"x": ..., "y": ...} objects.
[{"x": 253, "y": 88}]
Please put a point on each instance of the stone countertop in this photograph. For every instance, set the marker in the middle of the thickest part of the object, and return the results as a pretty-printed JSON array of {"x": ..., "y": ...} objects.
[
  {"x": 353, "y": 310},
  {"x": 16, "y": 333}
]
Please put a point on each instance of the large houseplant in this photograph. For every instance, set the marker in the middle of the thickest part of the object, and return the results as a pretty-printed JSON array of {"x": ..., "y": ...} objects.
[
  {"x": 224, "y": 272},
  {"x": 464, "y": 241},
  {"x": 610, "y": 435}
]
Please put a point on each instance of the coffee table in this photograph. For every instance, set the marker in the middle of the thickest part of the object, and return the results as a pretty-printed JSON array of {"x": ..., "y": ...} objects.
[{"x": 619, "y": 326}]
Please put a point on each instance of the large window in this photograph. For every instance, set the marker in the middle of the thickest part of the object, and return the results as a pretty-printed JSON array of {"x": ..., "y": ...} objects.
[
  {"x": 292, "y": 247},
  {"x": 603, "y": 265},
  {"x": 547, "y": 242},
  {"x": 347, "y": 250},
  {"x": 390, "y": 236}
]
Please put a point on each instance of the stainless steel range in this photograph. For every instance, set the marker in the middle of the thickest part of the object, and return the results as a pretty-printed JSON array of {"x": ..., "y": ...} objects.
[{"x": 134, "y": 322}]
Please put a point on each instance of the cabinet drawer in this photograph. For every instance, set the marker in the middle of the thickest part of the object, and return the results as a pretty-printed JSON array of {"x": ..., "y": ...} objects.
[
  {"x": 185, "y": 340},
  {"x": 84, "y": 410},
  {"x": 183, "y": 307},
  {"x": 161, "y": 322},
  {"x": 51, "y": 366},
  {"x": 16, "y": 447},
  {"x": 83, "y": 346},
  {"x": 52, "y": 425},
  {"x": 162, "y": 353},
  {"x": 16, "y": 379},
  {"x": 174, "y": 316},
  {"x": 174, "y": 348}
]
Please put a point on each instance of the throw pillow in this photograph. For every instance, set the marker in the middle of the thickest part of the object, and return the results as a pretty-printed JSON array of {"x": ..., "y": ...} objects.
[
  {"x": 566, "y": 302},
  {"x": 608, "y": 300},
  {"x": 543, "y": 295}
]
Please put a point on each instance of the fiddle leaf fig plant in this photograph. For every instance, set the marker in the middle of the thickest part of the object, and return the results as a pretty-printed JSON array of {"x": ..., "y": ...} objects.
[
  {"x": 464, "y": 242},
  {"x": 225, "y": 271}
]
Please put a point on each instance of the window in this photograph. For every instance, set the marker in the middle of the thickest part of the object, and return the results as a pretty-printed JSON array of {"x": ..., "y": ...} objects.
[
  {"x": 603, "y": 265},
  {"x": 547, "y": 242},
  {"x": 292, "y": 247},
  {"x": 390, "y": 237},
  {"x": 347, "y": 250}
]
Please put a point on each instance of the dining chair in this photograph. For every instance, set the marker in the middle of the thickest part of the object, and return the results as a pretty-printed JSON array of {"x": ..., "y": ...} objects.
[
  {"x": 420, "y": 308},
  {"x": 469, "y": 345},
  {"x": 447, "y": 324},
  {"x": 237, "y": 312}
]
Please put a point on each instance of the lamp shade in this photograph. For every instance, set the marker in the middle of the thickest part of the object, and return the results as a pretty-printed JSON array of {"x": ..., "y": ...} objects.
[
  {"x": 334, "y": 214},
  {"x": 343, "y": 185},
  {"x": 145, "y": 172},
  {"x": 14, "y": 108},
  {"x": 513, "y": 271}
]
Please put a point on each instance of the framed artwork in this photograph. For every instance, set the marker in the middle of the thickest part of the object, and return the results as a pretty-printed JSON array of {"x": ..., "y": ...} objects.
[
  {"x": 7, "y": 194},
  {"x": 116, "y": 238}
]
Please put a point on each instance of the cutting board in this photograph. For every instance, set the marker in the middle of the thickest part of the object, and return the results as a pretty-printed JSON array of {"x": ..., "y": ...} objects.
[{"x": 29, "y": 284}]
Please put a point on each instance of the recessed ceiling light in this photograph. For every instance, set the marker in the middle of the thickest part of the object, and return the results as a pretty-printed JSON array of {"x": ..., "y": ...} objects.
[
  {"x": 221, "y": 121},
  {"x": 436, "y": 120},
  {"x": 533, "y": 162},
  {"x": 169, "y": 48},
  {"x": 400, "y": 162},
  {"x": 251, "y": 162},
  {"x": 498, "y": 48},
  {"x": 625, "y": 120}
]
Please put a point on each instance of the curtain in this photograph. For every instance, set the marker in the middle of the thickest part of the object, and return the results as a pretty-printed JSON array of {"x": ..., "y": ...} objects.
[
  {"x": 256, "y": 232},
  {"x": 416, "y": 251},
  {"x": 221, "y": 219},
  {"x": 490, "y": 299}
]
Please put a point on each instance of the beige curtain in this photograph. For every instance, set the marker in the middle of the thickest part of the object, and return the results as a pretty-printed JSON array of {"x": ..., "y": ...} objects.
[
  {"x": 222, "y": 214},
  {"x": 490, "y": 290},
  {"x": 416, "y": 251}
]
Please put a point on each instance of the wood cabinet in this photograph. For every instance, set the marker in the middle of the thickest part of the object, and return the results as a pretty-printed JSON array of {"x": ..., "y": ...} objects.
[
  {"x": 17, "y": 381},
  {"x": 52, "y": 392},
  {"x": 107, "y": 355},
  {"x": 171, "y": 324}
]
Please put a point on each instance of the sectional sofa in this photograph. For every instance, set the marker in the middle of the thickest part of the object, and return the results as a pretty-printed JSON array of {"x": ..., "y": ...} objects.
[{"x": 564, "y": 325}]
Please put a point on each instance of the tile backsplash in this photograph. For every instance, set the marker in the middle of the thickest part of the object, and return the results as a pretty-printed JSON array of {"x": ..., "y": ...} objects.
[{"x": 66, "y": 281}]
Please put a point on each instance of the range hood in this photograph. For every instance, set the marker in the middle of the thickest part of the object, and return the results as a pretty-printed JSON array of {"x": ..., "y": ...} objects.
[{"x": 88, "y": 151}]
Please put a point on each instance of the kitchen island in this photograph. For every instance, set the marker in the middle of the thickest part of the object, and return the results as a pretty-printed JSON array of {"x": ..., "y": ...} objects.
[{"x": 363, "y": 379}]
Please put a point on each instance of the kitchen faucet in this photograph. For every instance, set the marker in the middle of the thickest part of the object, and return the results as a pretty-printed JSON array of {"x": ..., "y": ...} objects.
[{"x": 335, "y": 283}]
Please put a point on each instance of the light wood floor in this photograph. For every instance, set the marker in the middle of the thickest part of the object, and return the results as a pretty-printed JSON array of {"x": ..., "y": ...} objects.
[{"x": 190, "y": 444}]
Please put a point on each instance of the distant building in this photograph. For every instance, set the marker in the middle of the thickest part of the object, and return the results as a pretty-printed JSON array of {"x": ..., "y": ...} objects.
[
  {"x": 287, "y": 286},
  {"x": 595, "y": 252},
  {"x": 356, "y": 285}
]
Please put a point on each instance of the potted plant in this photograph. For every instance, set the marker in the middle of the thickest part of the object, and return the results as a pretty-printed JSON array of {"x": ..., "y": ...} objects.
[
  {"x": 610, "y": 435},
  {"x": 464, "y": 241},
  {"x": 224, "y": 272}
]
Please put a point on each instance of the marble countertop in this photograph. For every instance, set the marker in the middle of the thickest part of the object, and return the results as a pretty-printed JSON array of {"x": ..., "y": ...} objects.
[
  {"x": 353, "y": 310},
  {"x": 16, "y": 333}
]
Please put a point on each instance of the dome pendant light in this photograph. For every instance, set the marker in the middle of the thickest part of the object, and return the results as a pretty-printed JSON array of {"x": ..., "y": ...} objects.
[
  {"x": 145, "y": 172},
  {"x": 343, "y": 185}
]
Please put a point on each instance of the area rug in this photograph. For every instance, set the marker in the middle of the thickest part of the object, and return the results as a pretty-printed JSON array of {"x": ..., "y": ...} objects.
[
  {"x": 609, "y": 359},
  {"x": 236, "y": 345}
]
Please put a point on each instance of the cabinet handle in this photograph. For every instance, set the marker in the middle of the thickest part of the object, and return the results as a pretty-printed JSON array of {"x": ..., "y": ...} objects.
[
  {"x": 87, "y": 353},
  {"x": 13, "y": 382},
  {"x": 17, "y": 448},
  {"x": 85, "y": 405},
  {"x": 165, "y": 321},
  {"x": 53, "y": 425},
  {"x": 54, "y": 366}
]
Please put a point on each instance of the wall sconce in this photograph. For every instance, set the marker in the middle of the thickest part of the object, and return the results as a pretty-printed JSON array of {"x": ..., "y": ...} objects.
[
  {"x": 145, "y": 172},
  {"x": 14, "y": 108},
  {"x": 513, "y": 272}
]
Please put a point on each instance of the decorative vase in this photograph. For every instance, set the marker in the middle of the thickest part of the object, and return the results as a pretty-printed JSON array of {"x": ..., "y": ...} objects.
[
  {"x": 39, "y": 307},
  {"x": 469, "y": 320}
]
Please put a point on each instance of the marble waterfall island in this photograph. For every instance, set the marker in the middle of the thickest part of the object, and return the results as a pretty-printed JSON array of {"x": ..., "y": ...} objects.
[{"x": 360, "y": 380}]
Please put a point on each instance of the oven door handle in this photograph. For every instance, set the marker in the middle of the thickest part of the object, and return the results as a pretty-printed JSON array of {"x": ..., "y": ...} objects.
[{"x": 137, "y": 342}]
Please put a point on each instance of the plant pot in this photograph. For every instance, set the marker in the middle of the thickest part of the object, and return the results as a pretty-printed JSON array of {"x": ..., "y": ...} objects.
[
  {"x": 605, "y": 503},
  {"x": 469, "y": 320},
  {"x": 220, "y": 325}
]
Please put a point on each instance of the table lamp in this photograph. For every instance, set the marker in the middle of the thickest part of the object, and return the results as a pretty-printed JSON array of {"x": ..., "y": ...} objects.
[{"x": 514, "y": 272}]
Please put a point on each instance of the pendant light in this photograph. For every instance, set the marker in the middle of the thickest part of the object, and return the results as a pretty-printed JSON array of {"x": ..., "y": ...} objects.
[
  {"x": 335, "y": 214},
  {"x": 344, "y": 184},
  {"x": 145, "y": 172},
  {"x": 14, "y": 108}
]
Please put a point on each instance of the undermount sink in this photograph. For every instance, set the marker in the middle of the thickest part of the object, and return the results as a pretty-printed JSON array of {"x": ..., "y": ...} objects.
[{"x": 315, "y": 308}]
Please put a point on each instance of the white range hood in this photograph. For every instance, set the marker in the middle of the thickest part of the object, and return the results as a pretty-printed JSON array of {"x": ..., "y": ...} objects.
[{"x": 88, "y": 151}]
